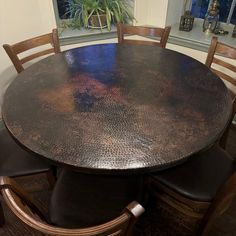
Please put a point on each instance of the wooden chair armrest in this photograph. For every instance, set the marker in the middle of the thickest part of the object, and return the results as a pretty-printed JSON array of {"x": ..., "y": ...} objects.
[{"x": 14, "y": 196}]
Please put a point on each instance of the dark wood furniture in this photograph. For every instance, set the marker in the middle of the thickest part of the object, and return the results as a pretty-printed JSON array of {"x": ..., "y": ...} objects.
[
  {"x": 15, "y": 49},
  {"x": 116, "y": 109},
  {"x": 23, "y": 206},
  {"x": 212, "y": 61},
  {"x": 160, "y": 35},
  {"x": 202, "y": 188},
  {"x": 191, "y": 196},
  {"x": 82, "y": 200},
  {"x": 15, "y": 161}
]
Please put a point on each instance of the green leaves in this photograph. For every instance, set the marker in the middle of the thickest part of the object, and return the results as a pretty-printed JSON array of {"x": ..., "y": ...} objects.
[{"x": 115, "y": 11}]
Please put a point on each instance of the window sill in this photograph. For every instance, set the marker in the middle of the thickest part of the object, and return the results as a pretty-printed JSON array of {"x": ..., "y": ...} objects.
[
  {"x": 73, "y": 36},
  {"x": 196, "y": 38}
]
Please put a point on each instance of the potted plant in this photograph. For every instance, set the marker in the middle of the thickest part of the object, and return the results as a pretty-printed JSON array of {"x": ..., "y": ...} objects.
[{"x": 99, "y": 13}]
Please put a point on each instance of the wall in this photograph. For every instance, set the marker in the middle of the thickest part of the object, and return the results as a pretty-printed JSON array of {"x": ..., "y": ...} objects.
[
  {"x": 174, "y": 12},
  {"x": 151, "y": 12},
  {"x": 27, "y": 18},
  {"x": 140, "y": 12},
  {"x": 157, "y": 11},
  {"x": 20, "y": 20}
]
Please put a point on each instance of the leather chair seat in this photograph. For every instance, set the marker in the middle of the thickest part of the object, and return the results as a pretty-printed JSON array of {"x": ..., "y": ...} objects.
[
  {"x": 14, "y": 161},
  {"x": 83, "y": 200},
  {"x": 200, "y": 177}
]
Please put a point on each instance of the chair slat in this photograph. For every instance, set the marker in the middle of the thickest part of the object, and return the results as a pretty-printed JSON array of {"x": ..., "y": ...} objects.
[
  {"x": 32, "y": 43},
  {"x": 143, "y": 31},
  {"x": 224, "y": 64},
  {"x": 161, "y": 33},
  {"x": 224, "y": 76},
  {"x": 15, "y": 49},
  {"x": 35, "y": 55},
  {"x": 141, "y": 42},
  {"x": 226, "y": 50}
]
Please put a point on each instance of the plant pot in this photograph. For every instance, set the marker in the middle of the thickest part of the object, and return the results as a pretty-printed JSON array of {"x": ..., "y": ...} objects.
[{"x": 94, "y": 22}]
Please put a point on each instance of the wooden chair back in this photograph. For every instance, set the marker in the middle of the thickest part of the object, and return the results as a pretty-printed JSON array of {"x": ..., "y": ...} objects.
[
  {"x": 212, "y": 61},
  {"x": 27, "y": 211},
  {"x": 221, "y": 49},
  {"x": 219, "y": 205},
  {"x": 15, "y": 49},
  {"x": 161, "y": 34},
  {"x": 198, "y": 216}
]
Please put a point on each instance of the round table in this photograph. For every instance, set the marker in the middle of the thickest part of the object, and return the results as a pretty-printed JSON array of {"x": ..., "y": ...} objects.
[
  {"x": 113, "y": 109},
  {"x": 117, "y": 108}
]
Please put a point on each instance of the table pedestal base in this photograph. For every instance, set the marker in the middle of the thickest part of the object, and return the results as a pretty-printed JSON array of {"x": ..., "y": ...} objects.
[{"x": 82, "y": 200}]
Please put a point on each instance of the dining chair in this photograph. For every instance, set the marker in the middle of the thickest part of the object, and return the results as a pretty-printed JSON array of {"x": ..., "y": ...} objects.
[
  {"x": 18, "y": 48},
  {"x": 195, "y": 193},
  {"x": 201, "y": 189},
  {"x": 16, "y": 162},
  {"x": 225, "y": 70},
  {"x": 106, "y": 195},
  {"x": 159, "y": 34},
  {"x": 26, "y": 209}
]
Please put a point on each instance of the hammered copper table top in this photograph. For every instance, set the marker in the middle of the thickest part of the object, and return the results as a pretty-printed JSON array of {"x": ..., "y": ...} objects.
[{"x": 110, "y": 108}]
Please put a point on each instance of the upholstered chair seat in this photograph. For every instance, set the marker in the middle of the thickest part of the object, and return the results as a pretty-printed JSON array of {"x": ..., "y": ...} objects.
[
  {"x": 14, "y": 161},
  {"x": 29, "y": 211},
  {"x": 201, "y": 176}
]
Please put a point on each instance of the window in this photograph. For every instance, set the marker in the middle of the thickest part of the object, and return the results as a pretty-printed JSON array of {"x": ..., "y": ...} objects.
[
  {"x": 117, "y": 9},
  {"x": 227, "y": 9},
  {"x": 63, "y": 8},
  {"x": 197, "y": 39},
  {"x": 71, "y": 33}
]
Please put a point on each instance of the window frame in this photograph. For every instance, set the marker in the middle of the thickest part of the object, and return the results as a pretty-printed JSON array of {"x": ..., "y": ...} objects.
[
  {"x": 73, "y": 36},
  {"x": 186, "y": 39},
  {"x": 230, "y": 14},
  {"x": 232, "y": 8}
]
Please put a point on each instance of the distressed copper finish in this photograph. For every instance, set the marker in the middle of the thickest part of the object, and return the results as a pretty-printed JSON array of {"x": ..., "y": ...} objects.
[{"x": 117, "y": 108}]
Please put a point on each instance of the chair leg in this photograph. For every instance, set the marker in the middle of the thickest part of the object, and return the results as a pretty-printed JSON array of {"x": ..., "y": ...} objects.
[{"x": 2, "y": 218}]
